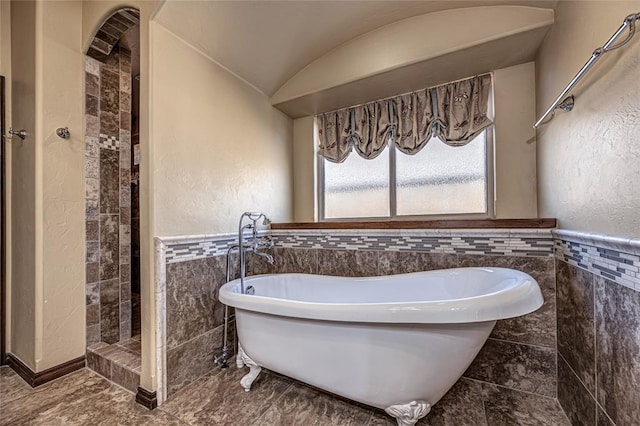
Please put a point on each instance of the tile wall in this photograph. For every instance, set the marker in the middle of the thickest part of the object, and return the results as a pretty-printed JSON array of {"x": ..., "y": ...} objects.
[
  {"x": 519, "y": 357},
  {"x": 108, "y": 196},
  {"x": 598, "y": 281}
]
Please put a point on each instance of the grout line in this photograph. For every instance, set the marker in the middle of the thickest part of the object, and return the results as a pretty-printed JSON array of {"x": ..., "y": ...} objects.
[
  {"x": 511, "y": 389},
  {"x": 605, "y": 413},
  {"x": 520, "y": 343},
  {"x": 577, "y": 377}
]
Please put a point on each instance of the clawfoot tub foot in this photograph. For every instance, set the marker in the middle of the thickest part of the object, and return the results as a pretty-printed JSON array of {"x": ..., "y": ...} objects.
[
  {"x": 254, "y": 369},
  {"x": 409, "y": 414}
]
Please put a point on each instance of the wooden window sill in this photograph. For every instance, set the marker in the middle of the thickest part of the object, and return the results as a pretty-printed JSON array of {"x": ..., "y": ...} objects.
[{"x": 543, "y": 223}]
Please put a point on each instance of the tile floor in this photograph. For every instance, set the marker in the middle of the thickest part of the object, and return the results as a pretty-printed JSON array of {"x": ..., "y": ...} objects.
[{"x": 85, "y": 398}]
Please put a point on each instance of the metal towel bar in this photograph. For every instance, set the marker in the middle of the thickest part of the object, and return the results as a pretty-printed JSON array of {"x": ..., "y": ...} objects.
[{"x": 565, "y": 102}]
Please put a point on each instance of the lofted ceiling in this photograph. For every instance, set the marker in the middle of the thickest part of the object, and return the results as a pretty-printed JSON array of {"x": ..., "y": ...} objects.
[{"x": 266, "y": 43}]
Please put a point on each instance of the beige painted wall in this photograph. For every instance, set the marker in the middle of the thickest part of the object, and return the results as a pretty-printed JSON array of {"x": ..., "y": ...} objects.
[
  {"x": 514, "y": 152},
  {"x": 219, "y": 147},
  {"x": 47, "y": 281},
  {"x": 62, "y": 175},
  {"x": 304, "y": 170},
  {"x": 410, "y": 41},
  {"x": 589, "y": 159},
  {"x": 514, "y": 142},
  {"x": 23, "y": 181},
  {"x": 5, "y": 70}
]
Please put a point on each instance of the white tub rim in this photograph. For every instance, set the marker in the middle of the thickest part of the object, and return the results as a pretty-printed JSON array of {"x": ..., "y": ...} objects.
[{"x": 516, "y": 300}]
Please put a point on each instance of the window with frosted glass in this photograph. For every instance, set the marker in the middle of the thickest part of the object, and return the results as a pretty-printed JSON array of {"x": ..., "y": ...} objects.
[
  {"x": 442, "y": 180},
  {"x": 357, "y": 187},
  {"x": 438, "y": 180}
]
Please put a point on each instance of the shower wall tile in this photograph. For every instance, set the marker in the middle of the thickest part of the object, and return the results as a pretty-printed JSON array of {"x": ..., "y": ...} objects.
[
  {"x": 92, "y": 84},
  {"x": 92, "y": 147},
  {"x": 125, "y": 102},
  {"x": 109, "y": 123},
  {"x": 516, "y": 366},
  {"x": 125, "y": 273},
  {"x": 109, "y": 92},
  {"x": 92, "y": 209},
  {"x": 92, "y": 167},
  {"x": 125, "y": 311},
  {"x": 93, "y": 334},
  {"x": 92, "y": 126},
  {"x": 125, "y": 292},
  {"x": 92, "y": 272},
  {"x": 125, "y": 120},
  {"x": 539, "y": 327},
  {"x": 109, "y": 247},
  {"x": 576, "y": 329},
  {"x": 125, "y": 82},
  {"x": 92, "y": 189},
  {"x": 574, "y": 398},
  {"x": 91, "y": 66},
  {"x": 92, "y": 230},
  {"x": 92, "y": 295},
  {"x": 93, "y": 251},
  {"x": 91, "y": 105},
  {"x": 125, "y": 215},
  {"x": 110, "y": 310},
  {"x": 109, "y": 182},
  {"x": 401, "y": 262},
  {"x": 93, "y": 314},
  {"x": 618, "y": 350},
  {"x": 347, "y": 263}
]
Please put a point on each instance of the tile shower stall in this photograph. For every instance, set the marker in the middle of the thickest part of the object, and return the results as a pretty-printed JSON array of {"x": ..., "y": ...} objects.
[
  {"x": 111, "y": 351},
  {"x": 590, "y": 317}
]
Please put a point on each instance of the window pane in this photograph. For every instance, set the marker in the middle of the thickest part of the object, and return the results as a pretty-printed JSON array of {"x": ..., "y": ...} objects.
[
  {"x": 357, "y": 187},
  {"x": 442, "y": 180}
]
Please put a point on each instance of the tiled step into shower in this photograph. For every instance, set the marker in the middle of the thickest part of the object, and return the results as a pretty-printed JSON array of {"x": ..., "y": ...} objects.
[{"x": 119, "y": 362}]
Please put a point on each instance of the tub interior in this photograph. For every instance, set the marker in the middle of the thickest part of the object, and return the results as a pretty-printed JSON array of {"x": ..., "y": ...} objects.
[{"x": 428, "y": 287}]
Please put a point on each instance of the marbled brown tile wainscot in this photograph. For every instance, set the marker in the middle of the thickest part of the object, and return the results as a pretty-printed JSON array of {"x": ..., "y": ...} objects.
[
  {"x": 576, "y": 401},
  {"x": 303, "y": 261},
  {"x": 539, "y": 327},
  {"x": 110, "y": 310},
  {"x": 618, "y": 351},
  {"x": 401, "y": 262},
  {"x": 199, "y": 352},
  {"x": 516, "y": 366},
  {"x": 576, "y": 321},
  {"x": 348, "y": 263},
  {"x": 506, "y": 407},
  {"x": 192, "y": 306}
]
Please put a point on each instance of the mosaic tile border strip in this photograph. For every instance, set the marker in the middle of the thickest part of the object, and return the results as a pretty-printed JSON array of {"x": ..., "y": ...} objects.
[
  {"x": 613, "y": 258},
  {"x": 537, "y": 243},
  {"x": 109, "y": 142},
  {"x": 482, "y": 242}
]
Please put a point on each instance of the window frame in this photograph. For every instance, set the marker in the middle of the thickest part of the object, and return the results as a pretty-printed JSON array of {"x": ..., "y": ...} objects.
[{"x": 393, "y": 216}]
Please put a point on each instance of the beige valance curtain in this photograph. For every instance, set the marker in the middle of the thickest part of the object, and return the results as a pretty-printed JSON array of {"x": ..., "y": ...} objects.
[{"x": 456, "y": 113}]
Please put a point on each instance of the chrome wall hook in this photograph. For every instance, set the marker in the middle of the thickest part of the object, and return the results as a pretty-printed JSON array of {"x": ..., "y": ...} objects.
[
  {"x": 19, "y": 133},
  {"x": 63, "y": 132}
]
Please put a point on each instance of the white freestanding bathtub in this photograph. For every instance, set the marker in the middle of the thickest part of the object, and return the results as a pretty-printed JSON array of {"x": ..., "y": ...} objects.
[{"x": 396, "y": 342}]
